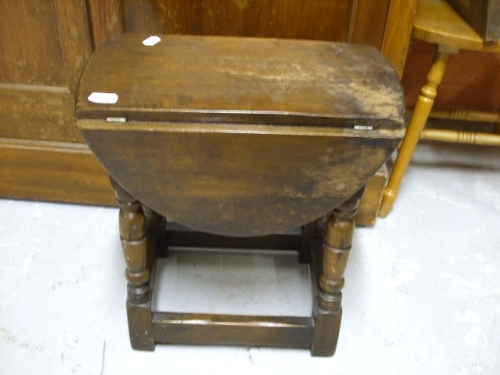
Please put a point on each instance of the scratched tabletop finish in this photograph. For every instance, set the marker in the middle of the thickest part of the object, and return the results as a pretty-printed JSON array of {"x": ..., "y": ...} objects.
[
  {"x": 239, "y": 136},
  {"x": 267, "y": 81}
]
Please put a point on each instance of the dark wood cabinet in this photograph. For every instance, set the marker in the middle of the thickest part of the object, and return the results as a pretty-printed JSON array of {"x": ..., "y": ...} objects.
[{"x": 45, "y": 44}]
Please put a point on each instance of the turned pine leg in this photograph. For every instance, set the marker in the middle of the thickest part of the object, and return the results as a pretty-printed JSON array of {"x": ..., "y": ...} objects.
[
  {"x": 419, "y": 118},
  {"x": 132, "y": 222},
  {"x": 336, "y": 247},
  {"x": 458, "y": 136}
]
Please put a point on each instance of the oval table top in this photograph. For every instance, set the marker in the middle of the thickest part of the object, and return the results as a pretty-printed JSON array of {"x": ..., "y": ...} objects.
[
  {"x": 240, "y": 80},
  {"x": 239, "y": 136}
]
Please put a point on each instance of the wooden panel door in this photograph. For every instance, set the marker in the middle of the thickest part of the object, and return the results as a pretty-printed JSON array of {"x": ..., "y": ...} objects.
[
  {"x": 362, "y": 21},
  {"x": 45, "y": 44},
  {"x": 384, "y": 24}
]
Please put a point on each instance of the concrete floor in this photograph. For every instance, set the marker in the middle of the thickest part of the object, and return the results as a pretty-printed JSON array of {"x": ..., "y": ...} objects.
[{"x": 422, "y": 292}]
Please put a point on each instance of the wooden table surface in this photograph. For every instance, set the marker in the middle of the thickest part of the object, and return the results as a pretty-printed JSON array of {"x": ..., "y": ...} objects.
[
  {"x": 240, "y": 136},
  {"x": 241, "y": 80}
]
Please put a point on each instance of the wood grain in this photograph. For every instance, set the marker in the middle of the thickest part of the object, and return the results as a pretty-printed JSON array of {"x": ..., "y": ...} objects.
[
  {"x": 42, "y": 34},
  {"x": 30, "y": 44},
  {"x": 336, "y": 248},
  {"x": 241, "y": 169},
  {"x": 52, "y": 171},
  {"x": 239, "y": 184},
  {"x": 397, "y": 32},
  {"x": 458, "y": 136},
  {"x": 37, "y": 112},
  {"x": 460, "y": 89},
  {"x": 249, "y": 80},
  {"x": 370, "y": 203},
  {"x": 310, "y": 19},
  {"x": 417, "y": 122},
  {"x": 48, "y": 171},
  {"x": 106, "y": 17},
  {"x": 75, "y": 44},
  {"x": 369, "y": 22},
  {"x": 437, "y": 22},
  {"x": 218, "y": 329},
  {"x": 483, "y": 15},
  {"x": 44, "y": 46}
]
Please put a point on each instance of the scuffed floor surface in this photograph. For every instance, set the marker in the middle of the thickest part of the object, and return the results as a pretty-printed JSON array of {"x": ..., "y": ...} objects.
[{"x": 422, "y": 292}]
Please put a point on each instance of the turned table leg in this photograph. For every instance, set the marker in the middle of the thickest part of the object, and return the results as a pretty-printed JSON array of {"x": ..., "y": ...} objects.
[
  {"x": 418, "y": 119},
  {"x": 336, "y": 247},
  {"x": 133, "y": 229}
]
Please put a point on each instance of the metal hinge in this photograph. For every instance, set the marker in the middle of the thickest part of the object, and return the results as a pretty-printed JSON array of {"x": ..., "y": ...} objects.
[
  {"x": 116, "y": 119},
  {"x": 363, "y": 127}
]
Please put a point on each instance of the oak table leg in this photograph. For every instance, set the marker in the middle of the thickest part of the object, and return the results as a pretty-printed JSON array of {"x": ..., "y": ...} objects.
[
  {"x": 133, "y": 229},
  {"x": 336, "y": 247},
  {"x": 419, "y": 118}
]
